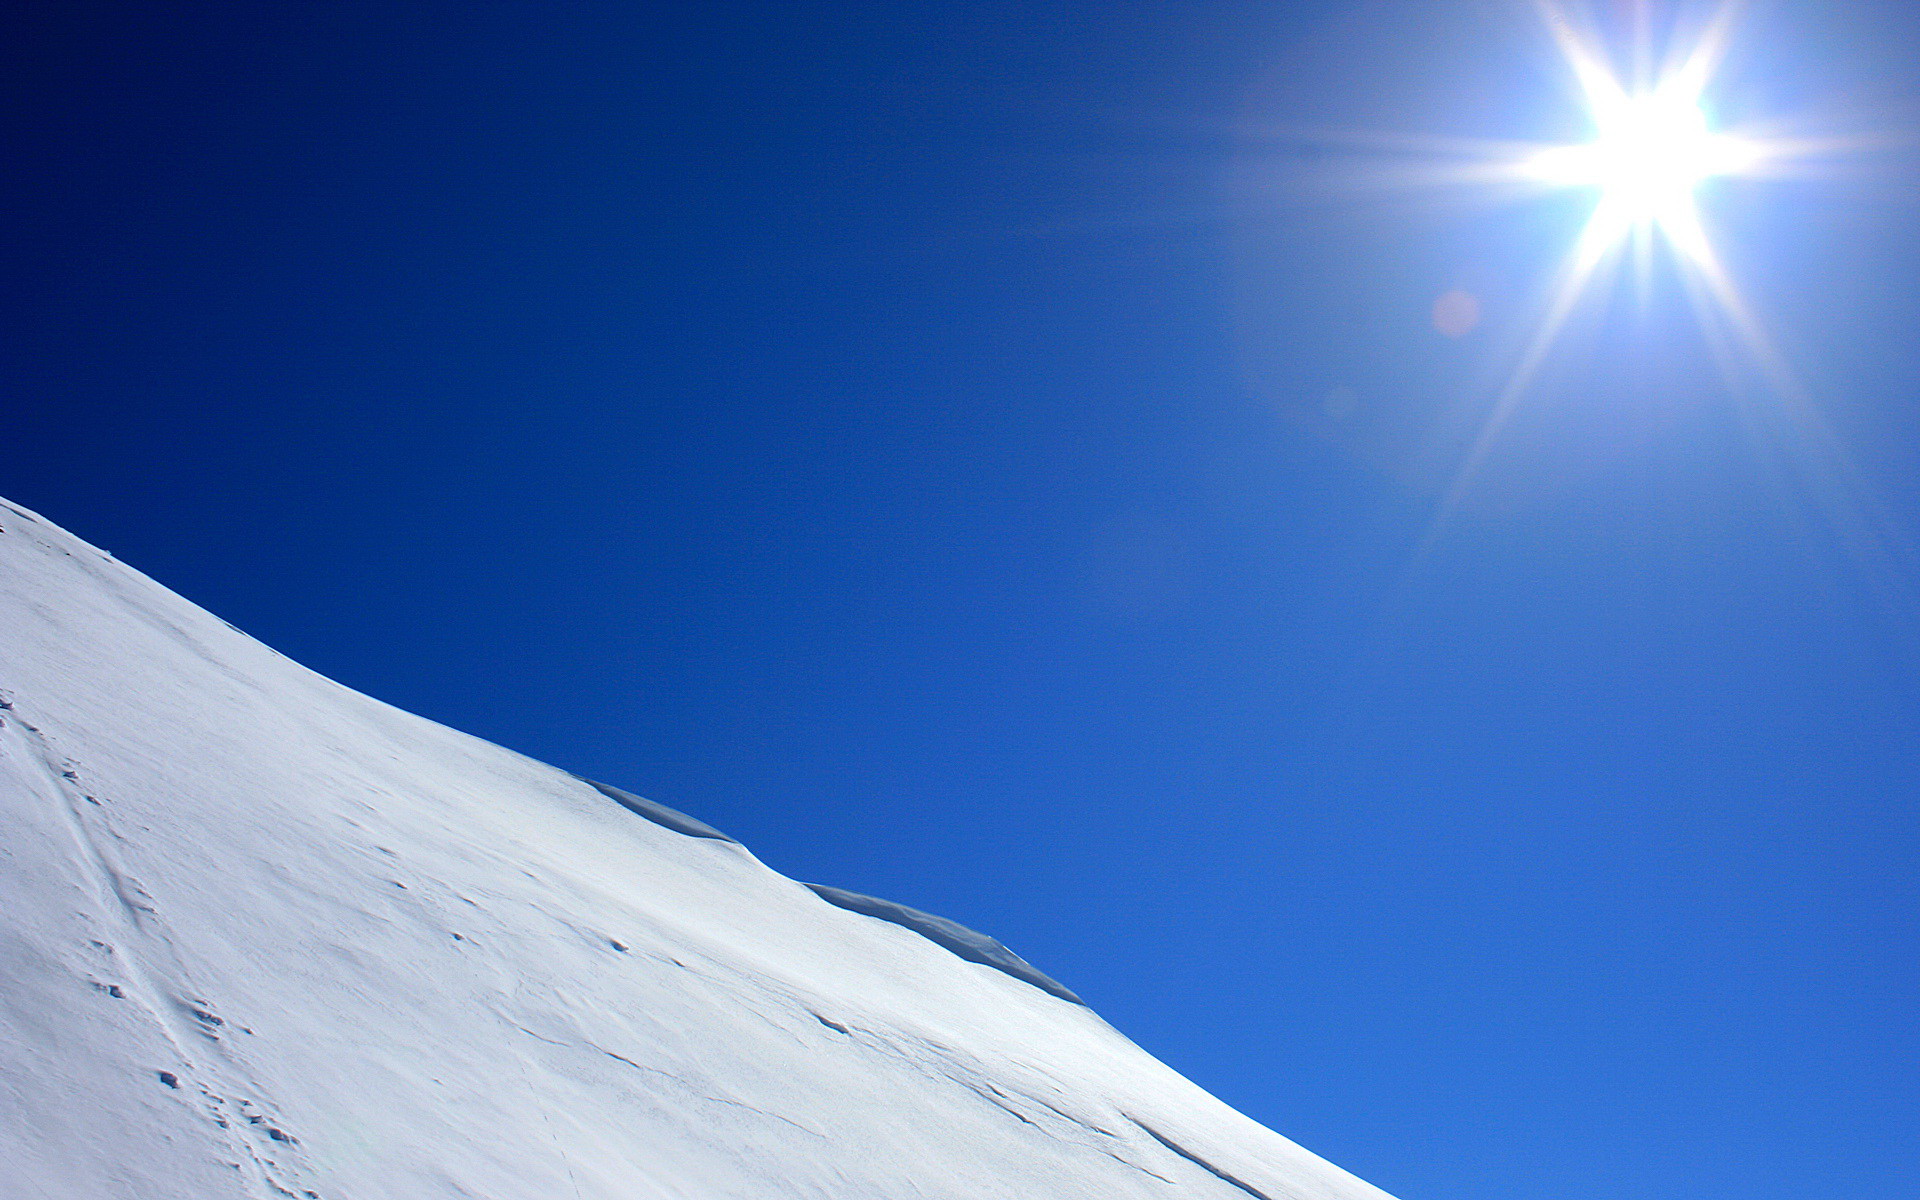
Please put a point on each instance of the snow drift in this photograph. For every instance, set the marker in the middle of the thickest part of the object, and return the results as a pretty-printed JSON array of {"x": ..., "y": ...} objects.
[{"x": 263, "y": 936}]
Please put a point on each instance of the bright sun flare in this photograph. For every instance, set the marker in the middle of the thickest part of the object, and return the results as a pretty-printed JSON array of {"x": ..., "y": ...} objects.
[
  {"x": 1650, "y": 154},
  {"x": 1651, "y": 150},
  {"x": 1653, "y": 146}
]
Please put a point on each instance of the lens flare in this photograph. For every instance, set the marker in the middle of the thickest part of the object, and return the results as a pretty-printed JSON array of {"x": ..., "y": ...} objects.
[
  {"x": 1653, "y": 151},
  {"x": 1649, "y": 154},
  {"x": 1652, "y": 147}
]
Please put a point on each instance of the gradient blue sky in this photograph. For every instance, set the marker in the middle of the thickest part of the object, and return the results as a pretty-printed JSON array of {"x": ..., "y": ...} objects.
[{"x": 961, "y": 451}]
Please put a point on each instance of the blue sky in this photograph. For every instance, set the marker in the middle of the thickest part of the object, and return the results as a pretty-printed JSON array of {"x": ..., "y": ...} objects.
[{"x": 972, "y": 454}]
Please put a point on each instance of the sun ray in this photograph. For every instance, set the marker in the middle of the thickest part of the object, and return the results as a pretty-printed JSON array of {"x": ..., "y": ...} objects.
[
  {"x": 1572, "y": 285},
  {"x": 1598, "y": 84},
  {"x": 1653, "y": 147}
]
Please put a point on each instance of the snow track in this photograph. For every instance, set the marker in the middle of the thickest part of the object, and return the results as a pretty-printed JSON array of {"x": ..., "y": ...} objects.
[{"x": 127, "y": 918}]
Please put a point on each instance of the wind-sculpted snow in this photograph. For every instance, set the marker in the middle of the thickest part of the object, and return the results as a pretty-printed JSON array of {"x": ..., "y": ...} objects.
[
  {"x": 262, "y": 936},
  {"x": 972, "y": 946},
  {"x": 967, "y": 943},
  {"x": 659, "y": 814}
]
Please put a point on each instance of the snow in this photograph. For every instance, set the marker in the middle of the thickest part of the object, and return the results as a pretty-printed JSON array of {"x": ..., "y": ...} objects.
[
  {"x": 263, "y": 936},
  {"x": 972, "y": 946},
  {"x": 658, "y": 813}
]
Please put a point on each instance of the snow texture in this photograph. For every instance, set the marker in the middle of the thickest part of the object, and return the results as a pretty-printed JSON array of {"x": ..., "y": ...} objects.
[
  {"x": 658, "y": 813},
  {"x": 968, "y": 944},
  {"x": 974, "y": 947},
  {"x": 262, "y": 936}
]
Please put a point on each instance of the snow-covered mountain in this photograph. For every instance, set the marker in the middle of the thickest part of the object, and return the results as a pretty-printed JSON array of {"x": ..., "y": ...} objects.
[{"x": 263, "y": 936}]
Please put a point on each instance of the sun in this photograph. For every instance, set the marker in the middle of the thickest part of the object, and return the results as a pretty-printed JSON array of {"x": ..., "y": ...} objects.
[
  {"x": 1649, "y": 154},
  {"x": 1646, "y": 79},
  {"x": 1652, "y": 149},
  {"x": 1646, "y": 76}
]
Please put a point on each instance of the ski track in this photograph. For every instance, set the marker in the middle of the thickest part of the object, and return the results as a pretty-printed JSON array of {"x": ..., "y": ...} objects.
[{"x": 123, "y": 906}]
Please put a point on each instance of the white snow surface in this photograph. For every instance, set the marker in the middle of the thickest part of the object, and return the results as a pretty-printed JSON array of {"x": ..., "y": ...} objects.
[{"x": 263, "y": 936}]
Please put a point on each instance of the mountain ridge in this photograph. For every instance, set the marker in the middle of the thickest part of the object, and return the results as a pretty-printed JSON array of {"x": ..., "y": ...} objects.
[{"x": 265, "y": 936}]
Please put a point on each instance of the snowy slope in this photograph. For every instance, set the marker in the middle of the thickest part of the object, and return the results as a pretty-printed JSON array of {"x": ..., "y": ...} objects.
[{"x": 262, "y": 936}]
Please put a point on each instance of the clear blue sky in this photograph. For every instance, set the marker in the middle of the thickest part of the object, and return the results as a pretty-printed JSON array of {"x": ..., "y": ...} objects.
[{"x": 961, "y": 451}]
